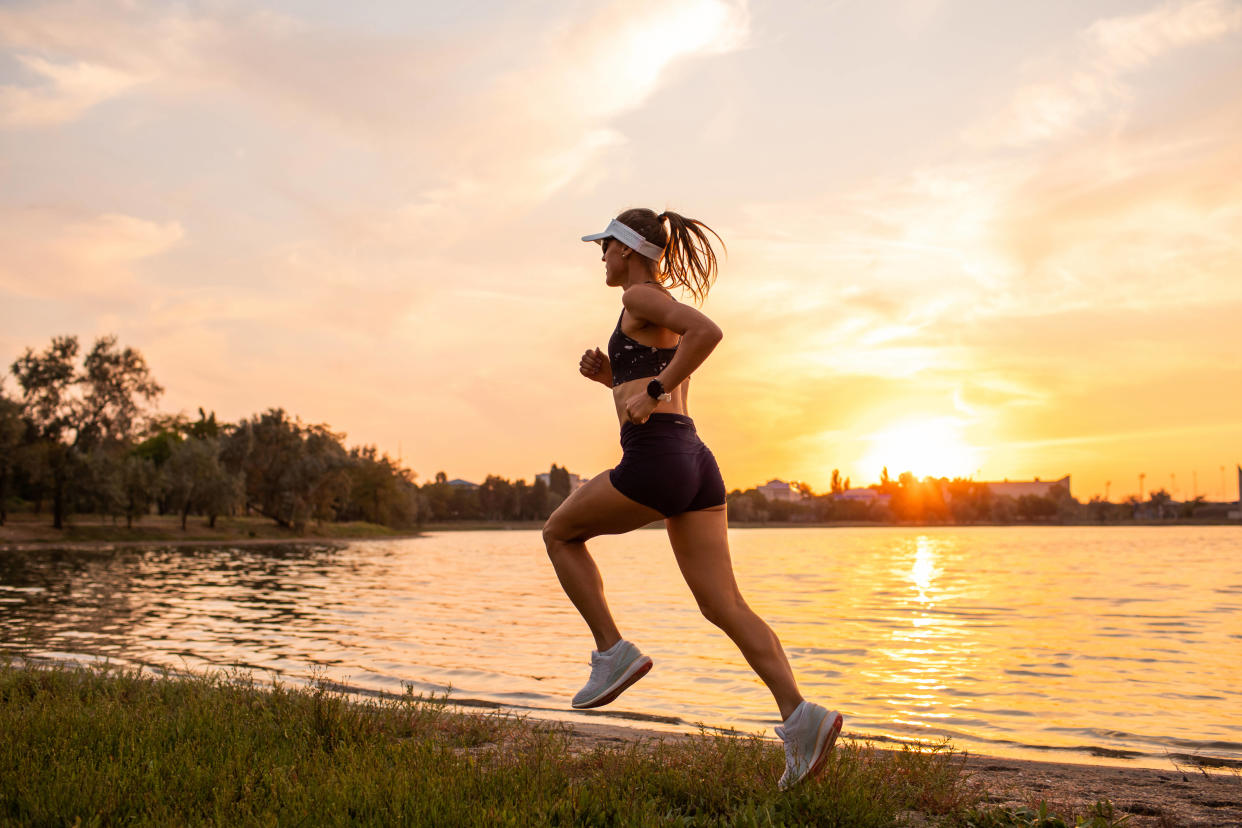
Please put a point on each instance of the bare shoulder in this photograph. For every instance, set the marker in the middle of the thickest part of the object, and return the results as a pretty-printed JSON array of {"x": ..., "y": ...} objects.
[
  {"x": 654, "y": 305},
  {"x": 640, "y": 297}
]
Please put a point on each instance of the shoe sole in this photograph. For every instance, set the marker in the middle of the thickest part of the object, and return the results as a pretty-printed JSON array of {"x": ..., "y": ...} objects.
[
  {"x": 833, "y": 732},
  {"x": 828, "y": 740},
  {"x": 637, "y": 670}
]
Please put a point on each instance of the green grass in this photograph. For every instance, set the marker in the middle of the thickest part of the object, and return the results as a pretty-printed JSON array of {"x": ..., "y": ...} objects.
[
  {"x": 105, "y": 746},
  {"x": 1102, "y": 815}
]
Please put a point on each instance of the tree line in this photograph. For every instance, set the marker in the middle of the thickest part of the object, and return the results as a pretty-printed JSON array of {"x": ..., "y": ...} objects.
[
  {"x": 496, "y": 498},
  {"x": 81, "y": 435},
  {"x": 951, "y": 500}
]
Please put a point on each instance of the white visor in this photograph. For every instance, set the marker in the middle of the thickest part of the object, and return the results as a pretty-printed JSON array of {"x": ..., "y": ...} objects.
[{"x": 627, "y": 236}]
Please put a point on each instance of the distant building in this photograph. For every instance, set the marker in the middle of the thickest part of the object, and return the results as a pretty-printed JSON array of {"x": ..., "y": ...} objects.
[
  {"x": 574, "y": 480},
  {"x": 779, "y": 490},
  {"x": 872, "y": 497},
  {"x": 1019, "y": 488},
  {"x": 466, "y": 484}
]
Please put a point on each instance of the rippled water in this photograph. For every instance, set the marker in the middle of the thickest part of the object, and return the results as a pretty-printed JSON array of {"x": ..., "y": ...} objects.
[{"x": 1090, "y": 644}]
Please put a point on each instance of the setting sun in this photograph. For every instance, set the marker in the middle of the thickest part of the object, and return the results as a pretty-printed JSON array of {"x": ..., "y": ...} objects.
[{"x": 932, "y": 447}]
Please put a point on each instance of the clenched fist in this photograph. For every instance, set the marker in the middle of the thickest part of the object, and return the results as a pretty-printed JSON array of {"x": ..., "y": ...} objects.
[
  {"x": 594, "y": 365},
  {"x": 638, "y": 408}
]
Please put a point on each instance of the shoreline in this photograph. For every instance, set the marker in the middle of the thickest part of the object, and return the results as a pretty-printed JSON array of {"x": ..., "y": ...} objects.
[
  {"x": 1152, "y": 796},
  {"x": 25, "y": 536},
  {"x": 22, "y": 534}
]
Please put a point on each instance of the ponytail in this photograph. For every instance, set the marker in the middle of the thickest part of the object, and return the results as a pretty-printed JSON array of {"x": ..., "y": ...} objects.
[{"x": 688, "y": 261}]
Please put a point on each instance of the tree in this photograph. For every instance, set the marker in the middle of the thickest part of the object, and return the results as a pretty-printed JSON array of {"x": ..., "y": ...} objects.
[
  {"x": 163, "y": 433},
  {"x": 292, "y": 472},
  {"x": 47, "y": 381},
  {"x": 558, "y": 480},
  {"x": 12, "y": 432},
  {"x": 112, "y": 380},
  {"x": 380, "y": 490},
  {"x": 324, "y": 472},
  {"x": 1160, "y": 500},
  {"x": 205, "y": 428},
  {"x": 1036, "y": 507},
  {"x": 535, "y": 501},
  {"x": 197, "y": 481},
  {"x": 496, "y": 498},
  {"x": 968, "y": 500},
  {"x": 74, "y": 411},
  {"x": 749, "y": 505},
  {"x": 104, "y": 489},
  {"x": 837, "y": 488},
  {"x": 141, "y": 487}
]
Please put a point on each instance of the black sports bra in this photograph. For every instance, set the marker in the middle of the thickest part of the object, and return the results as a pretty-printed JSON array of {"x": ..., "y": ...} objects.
[{"x": 632, "y": 359}]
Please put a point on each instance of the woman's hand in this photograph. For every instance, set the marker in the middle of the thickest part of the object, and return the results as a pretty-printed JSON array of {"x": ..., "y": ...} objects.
[
  {"x": 594, "y": 365},
  {"x": 639, "y": 407}
]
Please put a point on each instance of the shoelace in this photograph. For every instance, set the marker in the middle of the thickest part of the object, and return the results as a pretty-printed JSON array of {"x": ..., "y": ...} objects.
[
  {"x": 791, "y": 747},
  {"x": 598, "y": 665}
]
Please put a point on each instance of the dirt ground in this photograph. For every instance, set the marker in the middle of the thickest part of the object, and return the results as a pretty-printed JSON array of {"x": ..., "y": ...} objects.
[
  {"x": 1158, "y": 798},
  {"x": 25, "y": 532}
]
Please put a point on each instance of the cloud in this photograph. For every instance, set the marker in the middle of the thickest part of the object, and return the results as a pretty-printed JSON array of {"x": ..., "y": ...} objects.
[
  {"x": 54, "y": 253},
  {"x": 395, "y": 151},
  {"x": 504, "y": 117},
  {"x": 68, "y": 90},
  {"x": 1127, "y": 43},
  {"x": 1090, "y": 76}
]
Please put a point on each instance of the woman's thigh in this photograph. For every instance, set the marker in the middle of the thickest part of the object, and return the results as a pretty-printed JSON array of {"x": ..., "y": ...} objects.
[
  {"x": 596, "y": 508},
  {"x": 700, "y": 542}
]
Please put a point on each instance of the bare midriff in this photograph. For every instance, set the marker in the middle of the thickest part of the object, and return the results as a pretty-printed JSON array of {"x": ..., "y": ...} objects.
[{"x": 622, "y": 392}]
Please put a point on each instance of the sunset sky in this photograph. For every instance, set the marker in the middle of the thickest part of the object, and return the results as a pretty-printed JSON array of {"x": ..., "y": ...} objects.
[{"x": 965, "y": 238}]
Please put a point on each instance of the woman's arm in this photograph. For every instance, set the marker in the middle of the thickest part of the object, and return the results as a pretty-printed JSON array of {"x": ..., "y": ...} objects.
[{"x": 699, "y": 337}]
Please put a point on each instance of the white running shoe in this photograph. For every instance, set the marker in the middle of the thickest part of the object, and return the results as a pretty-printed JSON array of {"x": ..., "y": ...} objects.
[
  {"x": 611, "y": 672},
  {"x": 808, "y": 741}
]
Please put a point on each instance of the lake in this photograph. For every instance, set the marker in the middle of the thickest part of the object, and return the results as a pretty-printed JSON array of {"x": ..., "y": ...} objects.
[{"x": 1096, "y": 644}]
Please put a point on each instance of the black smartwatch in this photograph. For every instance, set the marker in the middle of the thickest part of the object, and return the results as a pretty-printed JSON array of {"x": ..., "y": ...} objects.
[{"x": 655, "y": 389}]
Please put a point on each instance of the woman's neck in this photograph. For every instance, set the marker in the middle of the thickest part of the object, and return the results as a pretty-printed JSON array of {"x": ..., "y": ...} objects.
[{"x": 646, "y": 279}]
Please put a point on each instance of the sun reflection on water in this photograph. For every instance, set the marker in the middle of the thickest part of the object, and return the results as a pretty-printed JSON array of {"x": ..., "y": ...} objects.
[
  {"x": 924, "y": 570},
  {"x": 926, "y": 648}
]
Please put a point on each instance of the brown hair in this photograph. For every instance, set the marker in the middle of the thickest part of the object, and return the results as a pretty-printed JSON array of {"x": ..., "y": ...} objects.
[{"x": 688, "y": 260}]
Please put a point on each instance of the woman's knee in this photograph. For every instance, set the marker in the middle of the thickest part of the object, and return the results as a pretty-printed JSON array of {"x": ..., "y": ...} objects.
[
  {"x": 725, "y": 611},
  {"x": 551, "y": 534},
  {"x": 557, "y": 533}
]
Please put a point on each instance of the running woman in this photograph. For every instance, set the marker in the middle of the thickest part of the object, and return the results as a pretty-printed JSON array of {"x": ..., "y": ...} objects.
[{"x": 667, "y": 473}]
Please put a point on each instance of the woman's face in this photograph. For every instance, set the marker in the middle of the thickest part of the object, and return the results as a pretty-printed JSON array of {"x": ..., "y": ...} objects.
[{"x": 614, "y": 261}]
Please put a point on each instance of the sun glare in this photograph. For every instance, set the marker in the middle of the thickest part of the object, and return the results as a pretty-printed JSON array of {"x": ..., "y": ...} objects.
[{"x": 925, "y": 448}]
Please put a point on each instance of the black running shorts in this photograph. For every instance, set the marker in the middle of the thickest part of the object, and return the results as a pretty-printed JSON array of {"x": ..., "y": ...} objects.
[{"x": 666, "y": 466}]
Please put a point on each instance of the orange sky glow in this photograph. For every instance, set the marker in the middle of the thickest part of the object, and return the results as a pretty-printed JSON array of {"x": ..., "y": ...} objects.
[{"x": 964, "y": 238}]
